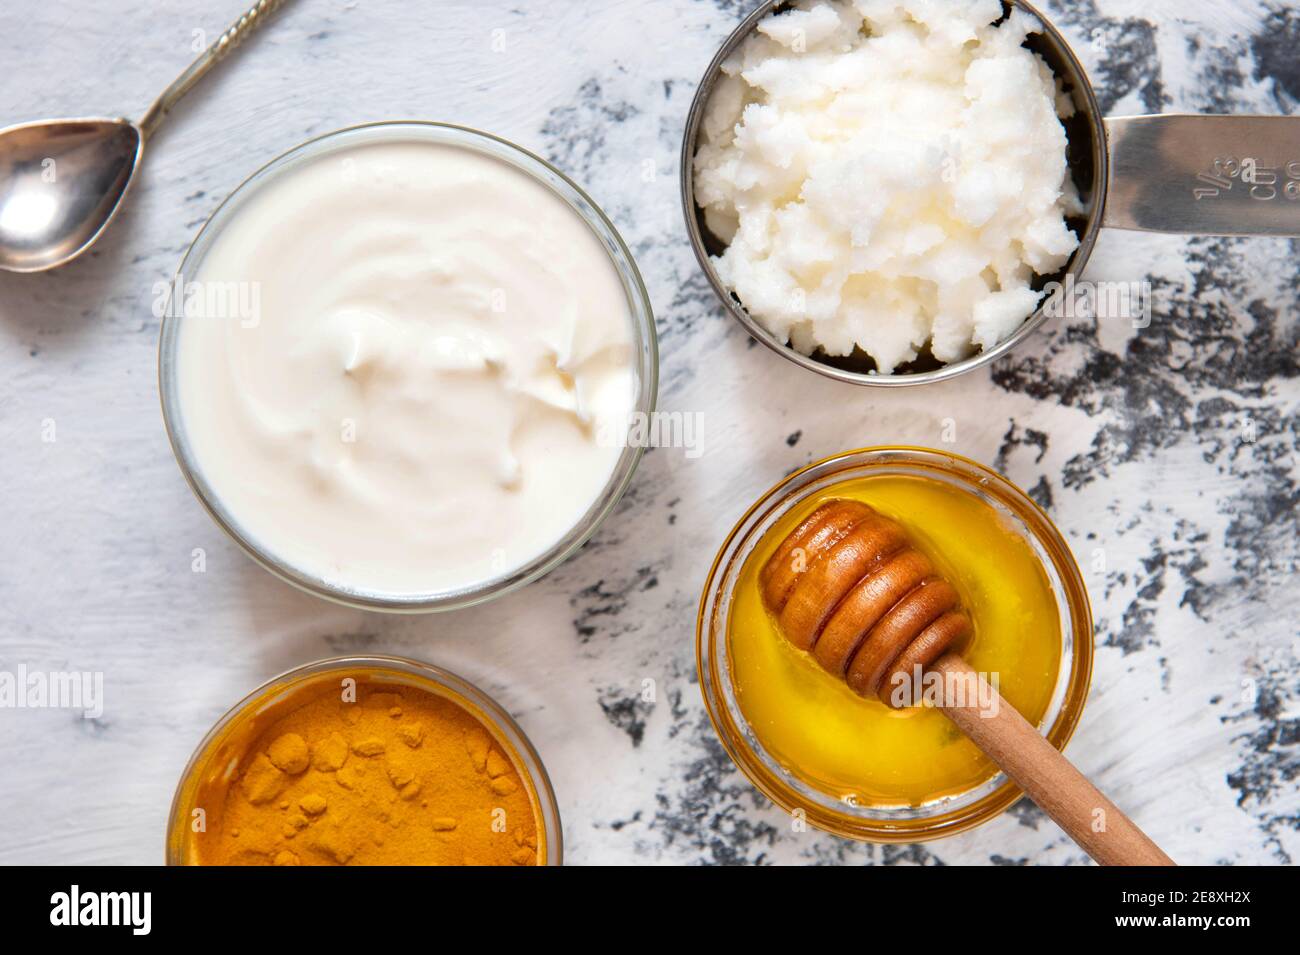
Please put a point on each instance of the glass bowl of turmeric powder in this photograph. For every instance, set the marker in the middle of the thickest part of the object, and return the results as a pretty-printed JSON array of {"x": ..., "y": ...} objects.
[
  {"x": 853, "y": 766},
  {"x": 371, "y": 760}
]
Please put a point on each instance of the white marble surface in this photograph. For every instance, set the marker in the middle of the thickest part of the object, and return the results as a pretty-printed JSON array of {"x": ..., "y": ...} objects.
[{"x": 1133, "y": 440}]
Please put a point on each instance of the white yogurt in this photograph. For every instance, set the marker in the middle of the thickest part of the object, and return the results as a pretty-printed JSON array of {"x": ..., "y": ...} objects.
[{"x": 419, "y": 404}]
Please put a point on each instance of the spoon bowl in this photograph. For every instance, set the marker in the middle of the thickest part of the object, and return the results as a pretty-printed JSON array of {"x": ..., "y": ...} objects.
[{"x": 61, "y": 182}]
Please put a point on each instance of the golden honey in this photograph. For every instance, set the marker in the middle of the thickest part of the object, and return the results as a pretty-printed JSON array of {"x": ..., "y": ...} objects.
[{"x": 858, "y": 750}]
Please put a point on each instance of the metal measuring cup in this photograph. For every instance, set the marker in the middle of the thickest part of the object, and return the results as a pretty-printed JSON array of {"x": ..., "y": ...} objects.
[{"x": 1173, "y": 173}]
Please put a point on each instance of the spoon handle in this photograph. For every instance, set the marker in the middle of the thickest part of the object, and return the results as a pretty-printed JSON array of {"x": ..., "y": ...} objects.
[{"x": 214, "y": 54}]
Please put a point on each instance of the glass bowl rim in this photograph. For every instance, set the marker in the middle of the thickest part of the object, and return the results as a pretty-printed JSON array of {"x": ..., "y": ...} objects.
[
  {"x": 736, "y": 738},
  {"x": 548, "y": 807},
  {"x": 645, "y": 342}
]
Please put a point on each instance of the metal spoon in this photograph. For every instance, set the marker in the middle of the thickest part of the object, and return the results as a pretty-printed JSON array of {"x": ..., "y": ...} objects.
[{"x": 62, "y": 180}]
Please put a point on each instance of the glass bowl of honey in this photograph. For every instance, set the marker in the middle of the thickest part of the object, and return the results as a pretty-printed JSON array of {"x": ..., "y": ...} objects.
[{"x": 854, "y": 766}]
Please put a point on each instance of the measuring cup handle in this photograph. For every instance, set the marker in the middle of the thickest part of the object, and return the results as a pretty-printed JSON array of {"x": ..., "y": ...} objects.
[{"x": 1204, "y": 175}]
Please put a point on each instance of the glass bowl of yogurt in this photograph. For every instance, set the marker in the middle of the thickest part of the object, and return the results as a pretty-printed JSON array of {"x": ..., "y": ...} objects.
[{"x": 399, "y": 363}]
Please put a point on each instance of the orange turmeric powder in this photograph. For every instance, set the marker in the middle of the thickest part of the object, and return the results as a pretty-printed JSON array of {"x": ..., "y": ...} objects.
[{"x": 348, "y": 771}]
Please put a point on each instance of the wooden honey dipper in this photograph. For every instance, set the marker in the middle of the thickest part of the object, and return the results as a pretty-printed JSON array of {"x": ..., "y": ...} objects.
[{"x": 847, "y": 586}]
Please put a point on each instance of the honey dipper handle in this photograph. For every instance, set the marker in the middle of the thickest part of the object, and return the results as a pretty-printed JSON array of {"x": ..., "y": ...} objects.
[{"x": 1047, "y": 777}]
